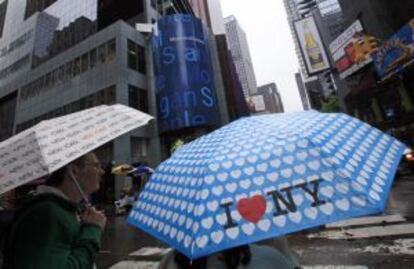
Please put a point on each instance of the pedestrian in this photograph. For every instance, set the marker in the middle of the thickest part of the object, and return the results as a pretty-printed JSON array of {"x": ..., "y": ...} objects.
[
  {"x": 49, "y": 230},
  {"x": 247, "y": 257}
]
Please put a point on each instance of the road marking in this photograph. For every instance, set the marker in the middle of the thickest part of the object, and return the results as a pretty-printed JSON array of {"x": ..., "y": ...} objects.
[
  {"x": 335, "y": 267},
  {"x": 367, "y": 221},
  {"x": 366, "y": 232},
  {"x": 398, "y": 247},
  {"x": 154, "y": 265},
  {"x": 150, "y": 251},
  {"x": 135, "y": 265}
]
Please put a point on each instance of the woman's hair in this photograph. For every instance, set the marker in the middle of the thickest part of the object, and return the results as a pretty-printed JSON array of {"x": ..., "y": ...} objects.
[
  {"x": 57, "y": 177},
  {"x": 231, "y": 258}
]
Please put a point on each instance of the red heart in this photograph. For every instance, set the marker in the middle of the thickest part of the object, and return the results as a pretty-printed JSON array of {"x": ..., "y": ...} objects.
[{"x": 252, "y": 209}]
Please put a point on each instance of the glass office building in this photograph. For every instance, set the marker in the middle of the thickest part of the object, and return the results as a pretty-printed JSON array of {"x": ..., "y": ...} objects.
[{"x": 62, "y": 56}]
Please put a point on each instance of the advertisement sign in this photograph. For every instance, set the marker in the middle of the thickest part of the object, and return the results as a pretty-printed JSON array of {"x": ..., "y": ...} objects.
[
  {"x": 351, "y": 50},
  {"x": 396, "y": 53},
  {"x": 311, "y": 45},
  {"x": 185, "y": 91}
]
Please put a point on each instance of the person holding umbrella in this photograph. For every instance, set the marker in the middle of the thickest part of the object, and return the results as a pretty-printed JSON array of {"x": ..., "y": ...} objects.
[
  {"x": 49, "y": 231},
  {"x": 262, "y": 177}
]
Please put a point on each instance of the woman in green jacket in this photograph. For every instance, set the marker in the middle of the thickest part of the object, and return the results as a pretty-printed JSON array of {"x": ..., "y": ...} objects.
[{"x": 49, "y": 232}]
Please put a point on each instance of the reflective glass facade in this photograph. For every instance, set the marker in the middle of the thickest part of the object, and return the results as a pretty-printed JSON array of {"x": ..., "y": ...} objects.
[
  {"x": 57, "y": 25},
  {"x": 3, "y": 9},
  {"x": 62, "y": 25}
]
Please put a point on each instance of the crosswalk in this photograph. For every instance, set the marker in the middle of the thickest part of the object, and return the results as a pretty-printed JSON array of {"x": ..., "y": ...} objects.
[
  {"x": 367, "y": 227},
  {"x": 153, "y": 252}
]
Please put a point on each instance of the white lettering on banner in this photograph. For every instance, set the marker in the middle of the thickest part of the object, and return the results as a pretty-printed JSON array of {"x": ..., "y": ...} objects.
[
  {"x": 53, "y": 151},
  {"x": 55, "y": 163},
  {"x": 4, "y": 155},
  {"x": 72, "y": 134},
  {"x": 88, "y": 146},
  {"x": 103, "y": 138},
  {"x": 58, "y": 131},
  {"x": 71, "y": 154},
  {"x": 73, "y": 125},
  {"x": 94, "y": 133},
  {"x": 16, "y": 168}
]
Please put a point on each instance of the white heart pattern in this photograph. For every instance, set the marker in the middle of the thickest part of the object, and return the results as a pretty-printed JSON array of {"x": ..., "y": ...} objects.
[
  {"x": 233, "y": 233},
  {"x": 217, "y": 236},
  {"x": 343, "y": 204},
  {"x": 311, "y": 212},
  {"x": 248, "y": 228}
]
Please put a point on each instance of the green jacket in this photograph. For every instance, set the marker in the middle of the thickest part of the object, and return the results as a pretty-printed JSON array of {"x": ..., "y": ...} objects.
[{"x": 48, "y": 234}]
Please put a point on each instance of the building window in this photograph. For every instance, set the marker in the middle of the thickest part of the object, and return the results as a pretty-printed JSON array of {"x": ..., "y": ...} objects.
[
  {"x": 7, "y": 114},
  {"x": 138, "y": 98},
  {"x": 102, "y": 53},
  {"x": 111, "y": 49},
  {"x": 139, "y": 148},
  {"x": 3, "y": 9},
  {"x": 92, "y": 58},
  {"x": 132, "y": 55},
  {"x": 105, "y": 96},
  {"x": 84, "y": 62},
  {"x": 68, "y": 70},
  {"x": 141, "y": 59},
  {"x": 76, "y": 67},
  {"x": 105, "y": 53},
  {"x": 33, "y": 6},
  {"x": 136, "y": 57}
]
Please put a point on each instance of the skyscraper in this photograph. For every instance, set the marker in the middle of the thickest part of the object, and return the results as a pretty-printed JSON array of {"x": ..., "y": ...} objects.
[
  {"x": 272, "y": 99},
  {"x": 327, "y": 17},
  {"x": 298, "y": 9},
  {"x": 302, "y": 91},
  {"x": 61, "y": 56},
  {"x": 237, "y": 41}
]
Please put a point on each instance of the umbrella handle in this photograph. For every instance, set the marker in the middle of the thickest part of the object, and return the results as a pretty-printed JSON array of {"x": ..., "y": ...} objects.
[{"x": 84, "y": 198}]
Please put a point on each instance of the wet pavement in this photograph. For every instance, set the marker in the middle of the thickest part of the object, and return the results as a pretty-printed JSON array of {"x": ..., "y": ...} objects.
[{"x": 395, "y": 251}]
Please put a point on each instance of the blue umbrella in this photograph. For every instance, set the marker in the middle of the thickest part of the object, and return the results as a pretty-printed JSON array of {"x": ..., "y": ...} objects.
[{"x": 266, "y": 176}]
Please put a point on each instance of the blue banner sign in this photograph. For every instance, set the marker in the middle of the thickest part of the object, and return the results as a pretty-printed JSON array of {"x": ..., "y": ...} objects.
[
  {"x": 396, "y": 53},
  {"x": 185, "y": 91}
]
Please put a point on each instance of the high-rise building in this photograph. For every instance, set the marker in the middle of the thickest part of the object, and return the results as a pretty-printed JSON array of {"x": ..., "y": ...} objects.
[
  {"x": 211, "y": 13},
  {"x": 329, "y": 24},
  {"x": 273, "y": 101},
  {"x": 302, "y": 92},
  {"x": 62, "y": 56},
  {"x": 237, "y": 41},
  {"x": 293, "y": 14}
]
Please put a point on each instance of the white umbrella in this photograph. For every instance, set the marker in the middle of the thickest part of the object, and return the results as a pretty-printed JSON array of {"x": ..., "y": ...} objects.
[{"x": 51, "y": 144}]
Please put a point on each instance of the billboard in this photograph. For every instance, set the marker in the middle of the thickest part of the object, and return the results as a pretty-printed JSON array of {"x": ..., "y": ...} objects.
[
  {"x": 351, "y": 50},
  {"x": 311, "y": 45},
  {"x": 185, "y": 89},
  {"x": 396, "y": 53}
]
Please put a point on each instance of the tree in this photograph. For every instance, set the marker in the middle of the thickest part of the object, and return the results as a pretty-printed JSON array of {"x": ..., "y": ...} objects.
[{"x": 331, "y": 105}]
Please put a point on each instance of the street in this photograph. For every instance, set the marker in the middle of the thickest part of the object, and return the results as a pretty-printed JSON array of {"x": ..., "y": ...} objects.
[{"x": 372, "y": 242}]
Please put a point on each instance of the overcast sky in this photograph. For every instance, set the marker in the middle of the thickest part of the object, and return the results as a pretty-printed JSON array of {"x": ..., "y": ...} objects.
[{"x": 271, "y": 45}]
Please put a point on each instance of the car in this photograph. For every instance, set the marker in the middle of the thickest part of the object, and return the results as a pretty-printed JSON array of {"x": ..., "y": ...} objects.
[{"x": 406, "y": 166}]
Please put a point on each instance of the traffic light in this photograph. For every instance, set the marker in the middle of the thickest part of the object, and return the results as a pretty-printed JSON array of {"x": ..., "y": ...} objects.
[{"x": 327, "y": 83}]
